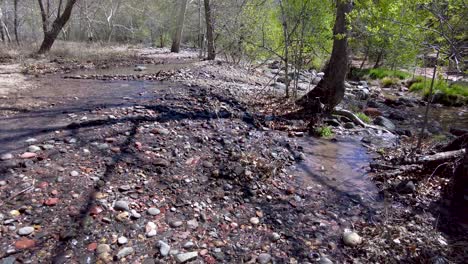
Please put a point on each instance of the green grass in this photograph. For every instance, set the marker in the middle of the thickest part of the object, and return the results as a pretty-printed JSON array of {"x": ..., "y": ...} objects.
[
  {"x": 364, "y": 117},
  {"x": 381, "y": 73},
  {"x": 324, "y": 131},
  {"x": 389, "y": 81},
  {"x": 440, "y": 85}
]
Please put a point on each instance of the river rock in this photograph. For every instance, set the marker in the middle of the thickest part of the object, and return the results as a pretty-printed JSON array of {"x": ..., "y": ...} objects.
[
  {"x": 254, "y": 220},
  {"x": 7, "y": 156},
  {"x": 264, "y": 258},
  {"x": 153, "y": 211},
  {"x": 124, "y": 252},
  {"x": 185, "y": 257},
  {"x": 384, "y": 122},
  {"x": 164, "y": 248},
  {"x": 351, "y": 238},
  {"x": 34, "y": 149},
  {"x": 25, "y": 231},
  {"x": 121, "y": 206},
  {"x": 151, "y": 229},
  {"x": 122, "y": 240},
  {"x": 325, "y": 260}
]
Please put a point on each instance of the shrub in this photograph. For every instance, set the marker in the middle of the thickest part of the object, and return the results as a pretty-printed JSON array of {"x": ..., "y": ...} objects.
[
  {"x": 324, "y": 131},
  {"x": 389, "y": 81},
  {"x": 364, "y": 117}
]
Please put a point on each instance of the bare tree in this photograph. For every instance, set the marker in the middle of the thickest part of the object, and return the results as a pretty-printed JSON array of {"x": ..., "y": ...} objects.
[
  {"x": 15, "y": 22},
  {"x": 209, "y": 31},
  {"x": 331, "y": 89},
  {"x": 51, "y": 34},
  {"x": 179, "y": 27},
  {"x": 3, "y": 27}
]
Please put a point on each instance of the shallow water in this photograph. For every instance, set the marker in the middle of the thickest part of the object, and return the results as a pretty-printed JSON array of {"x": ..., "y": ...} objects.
[
  {"x": 130, "y": 70},
  {"x": 341, "y": 166}
]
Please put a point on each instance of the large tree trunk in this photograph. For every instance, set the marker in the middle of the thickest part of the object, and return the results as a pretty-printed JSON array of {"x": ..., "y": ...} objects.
[
  {"x": 4, "y": 28},
  {"x": 330, "y": 90},
  {"x": 179, "y": 27},
  {"x": 50, "y": 35},
  {"x": 209, "y": 31}
]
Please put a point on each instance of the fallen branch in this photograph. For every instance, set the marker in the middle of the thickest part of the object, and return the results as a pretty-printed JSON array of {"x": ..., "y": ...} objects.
[
  {"x": 357, "y": 120},
  {"x": 442, "y": 156}
]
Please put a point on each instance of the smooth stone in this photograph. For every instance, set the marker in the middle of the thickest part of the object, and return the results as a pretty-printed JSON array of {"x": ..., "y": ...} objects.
[
  {"x": 103, "y": 248},
  {"x": 176, "y": 223},
  {"x": 325, "y": 260},
  {"x": 153, "y": 211},
  {"x": 185, "y": 257},
  {"x": 3, "y": 183},
  {"x": 124, "y": 252},
  {"x": 24, "y": 231},
  {"x": 135, "y": 214},
  {"x": 264, "y": 258},
  {"x": 121, "y": 206},
  {"x": 351, "y": 238},
  {"x": 275, "y": 236},
  {"x": 34, "y": 149},
  {"x": 164, "y": 248},
  {"x": 189, "y": 245},
  {"x": 122, "y": 240},
  {"x": 193, "y": 224},
  {"x": 74, "y": 173},
  {"x": 254, "y": 220},
  {"x": 7, "y": 156}
]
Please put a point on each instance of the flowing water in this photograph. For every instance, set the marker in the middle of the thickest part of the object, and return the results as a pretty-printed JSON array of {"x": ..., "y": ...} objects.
[{"x": 341, "y": 166}]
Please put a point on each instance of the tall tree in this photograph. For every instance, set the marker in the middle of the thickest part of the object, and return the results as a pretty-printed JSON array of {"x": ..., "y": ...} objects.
[
  {"x": 209, "y": 31},
  {"x": 51, "y": 34},
  {"x": 331, "y": 89},
  {"x": 179, "y": 27},
  {"x": 15, "y": 22},
  {"x": 3, "y": 27}
]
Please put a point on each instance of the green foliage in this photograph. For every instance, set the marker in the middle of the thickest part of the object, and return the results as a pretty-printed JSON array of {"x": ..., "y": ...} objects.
[
  {"x": 364, "y": 117},
  {"x": 389, "y": 81},
  {"x": 442, "y": 86},
  {"x": 381, "y": 73},
  {"x": 324, "y": 131}
]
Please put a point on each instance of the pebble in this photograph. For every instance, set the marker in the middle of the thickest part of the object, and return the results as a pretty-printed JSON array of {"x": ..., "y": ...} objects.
[
  {"x": 153, "y": 211},
  {"x": 122, "y": 240},
  {"x": 25, "y": 231},
  {"x": 193, "y": 224},
  {"x": 124, "y": 252},
  {"x": 185, "y": 257},
  {"x": 74, "y": 173},
  {"x": 151, "y": 229},
  {"x": 25, "y": 244},
  {"x": 28, "y": 155},
  {"x": 351, "y": 238},
  {"x": 264, "y": 258},
  {"x": 7, "y": 156},
  {"x": 164, "y": 248},
  {"x": 189, "y": 245},
  {"x": 325, "y": 260},
  {"x": 103, "y": 248},
  {"x": 34, "y": 149},
  {"x": 31, "y": 140},
  {"x": 254, "y": 220},
  {"x": 3, "y": 183},
  {"x": 121, "y": 206},
  {"x": 176, "y": 223},
  {"x": 135, "y": 214},
  {"x": 275, "y": 236}
]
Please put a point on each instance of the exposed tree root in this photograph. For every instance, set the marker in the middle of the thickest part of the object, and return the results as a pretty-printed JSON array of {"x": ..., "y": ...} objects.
[{"x": 357, "y": 120}]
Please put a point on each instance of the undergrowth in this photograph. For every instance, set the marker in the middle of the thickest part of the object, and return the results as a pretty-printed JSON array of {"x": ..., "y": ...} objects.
[
  {"x": 364, "y": 117},
  {"x": 324, "y": 131}
]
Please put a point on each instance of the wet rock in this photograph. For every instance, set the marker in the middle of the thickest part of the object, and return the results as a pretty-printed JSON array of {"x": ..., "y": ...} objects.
[
  {"x": 25, "y": 231},
  {"x": 406, "y": 187},
  {"x": 164, "y": 248},
  {"x": 351, "y": 238},
  {"x": 125, "y": 252},
  {"x": 384, "y": 122},
  {"x": 121, "y": 206},
  {"x": 34, "y": 149},
  {"x": 185, "y": 257},
  {"x": 153, "y": 211},
  {"x": 325, "y": 260},
  {"x": 7, "y": 156},
  {"x": 264, "y": 258},
  {"x": 396, "y": 116}
]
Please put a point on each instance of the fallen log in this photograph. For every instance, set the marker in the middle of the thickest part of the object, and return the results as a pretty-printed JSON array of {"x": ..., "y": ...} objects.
[{"x": 442, "y": 156}]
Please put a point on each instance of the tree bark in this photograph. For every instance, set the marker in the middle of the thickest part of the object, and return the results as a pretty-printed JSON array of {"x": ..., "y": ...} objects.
[
  {"x": 209, "y": 31},
  {"x": 330, "y": 90},
  {"x": 50, "y": 35},
  {"x": 4, "y": 28},
  {"x": 15, "y": 22},
  {"x": 179, "y": 27}
]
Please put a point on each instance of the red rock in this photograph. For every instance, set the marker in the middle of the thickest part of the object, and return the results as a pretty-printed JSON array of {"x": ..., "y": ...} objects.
[
  {"x": 28, "y": 155},
  {"x": 290, "y": 190},
  {"x": 203, "y": 252},
  {"x": 115, "y": 150},
  {"x": 43, "y": 185},
  {"x": 51, "y": 201},
  {"x": 25, "y": 244},
  {"x": 54, "y": 192},
  {"x": 95, "y": 210},
  {"x": 138, "y": 145},
  {"x": 92, "y": 246},
  {"x": 372, "y": 112},
  {"x": 209, "y": 259}
]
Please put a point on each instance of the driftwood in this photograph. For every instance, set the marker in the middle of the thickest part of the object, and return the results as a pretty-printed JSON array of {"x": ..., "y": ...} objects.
[
  {"x": 439, "y": 157},
  {"x": 357, "y": 120}
]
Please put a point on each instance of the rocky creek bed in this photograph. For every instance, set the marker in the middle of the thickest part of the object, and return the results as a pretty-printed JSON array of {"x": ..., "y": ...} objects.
[{"x": 185, "y": 170}]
